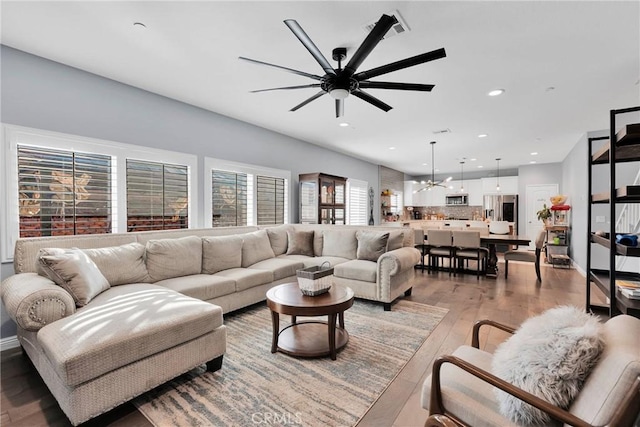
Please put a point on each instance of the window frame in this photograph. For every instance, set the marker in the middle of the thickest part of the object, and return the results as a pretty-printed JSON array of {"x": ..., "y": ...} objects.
[
  {"x": 12, "y": 136},
  {"x": 351, "y": 182},
  {"x": 211, "y": 164}
]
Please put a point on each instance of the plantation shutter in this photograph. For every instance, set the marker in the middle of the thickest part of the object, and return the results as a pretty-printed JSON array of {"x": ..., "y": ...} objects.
[
  {"x": 228, "y": 198},
  {"x": 63, "y": 192},
  {"x": 157, "y": 196},
  {"x": 357, "y": 202},
  {"x": 270, "y": 194}
]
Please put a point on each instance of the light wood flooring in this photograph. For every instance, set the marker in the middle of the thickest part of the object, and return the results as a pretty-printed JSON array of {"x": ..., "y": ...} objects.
[{"x": 26, "y": 401}]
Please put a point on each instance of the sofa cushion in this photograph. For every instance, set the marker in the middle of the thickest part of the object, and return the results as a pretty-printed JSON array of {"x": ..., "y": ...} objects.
[
  {"x": 73, "y": 270},
  {"x": 255, "y": 248},
  {"x": 221, "y": 253},
  {"x": 396, "y": 240},
  {"x": 550, "y": 356},
  {"x": 278, "y": 238},
  {"x": 201, "y": 286},
  {"x": 371, "y": 244},
  {"x": 167, "y": 258},
  {"x": 300, "y": 242},
  {"x": 280, "y": 267},
  {"x": 357, "y": 270},
  {"x": 246, "y": 278},
  {"x": 310, "y": 261},
  {"x": 121, "y": 265},
  {"x": 340, "y": 243},
  {"x": 115, "y": 331}
]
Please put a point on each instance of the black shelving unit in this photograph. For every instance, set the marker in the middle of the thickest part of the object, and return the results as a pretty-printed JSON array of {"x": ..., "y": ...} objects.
[{"x": 622, "y": 146}]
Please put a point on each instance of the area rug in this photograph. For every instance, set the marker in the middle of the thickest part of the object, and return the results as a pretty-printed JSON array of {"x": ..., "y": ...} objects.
[{"x": 256, "y": 387}]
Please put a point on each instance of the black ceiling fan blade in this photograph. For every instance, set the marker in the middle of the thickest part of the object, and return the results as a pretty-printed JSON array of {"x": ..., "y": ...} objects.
[
  {"x": 339, "y": 108},
  {"x": 286, "y": 88},
  {"x": 290, "y": 70},
  {"x": 308, "y": 100},
  {"x": 397, "y": 86},
  {"x": 370, "y": 42},
  {"x": 399, "y": 65},
  {"x": 311, "y": 47},
  {"x": 371, "y": 100}
]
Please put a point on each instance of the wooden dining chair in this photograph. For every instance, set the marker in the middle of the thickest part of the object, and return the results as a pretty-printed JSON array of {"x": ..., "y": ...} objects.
[
  {"x": 467, "y": 247},
  {"x": 440, "y": 247},
  {"x": 526, "y": 256},
  {"x": 499, "y": 227}
]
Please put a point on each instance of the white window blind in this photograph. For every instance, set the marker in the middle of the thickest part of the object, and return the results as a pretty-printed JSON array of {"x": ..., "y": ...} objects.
[
  {"x": 270, "y": 200},
  {"x": 228, "y": 198},
  {"x": 63, "y": 192},
  {"x": 357, "y": 202},
  {"x": 157, "y": 196}
]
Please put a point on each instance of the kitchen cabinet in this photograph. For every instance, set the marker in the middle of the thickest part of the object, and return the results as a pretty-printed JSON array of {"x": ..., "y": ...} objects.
[
  {"x": 508, "y": 185},
  {"x": 408, "y": 193},
  {"x": 474, "y": 189}
]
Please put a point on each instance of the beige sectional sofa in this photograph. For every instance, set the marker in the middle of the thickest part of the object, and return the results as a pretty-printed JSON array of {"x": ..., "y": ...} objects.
[{"x": 106, "y": 318}]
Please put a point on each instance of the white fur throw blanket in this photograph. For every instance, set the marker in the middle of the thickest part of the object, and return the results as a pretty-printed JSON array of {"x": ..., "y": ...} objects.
[{"x": 550, "y": 356}]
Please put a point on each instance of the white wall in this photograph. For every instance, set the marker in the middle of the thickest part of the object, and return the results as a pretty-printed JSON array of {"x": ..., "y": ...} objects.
[{"x": 42, "y": 94}]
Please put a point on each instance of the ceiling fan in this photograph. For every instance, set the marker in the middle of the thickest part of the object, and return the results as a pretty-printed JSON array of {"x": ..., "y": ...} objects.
[
  {"x": 432, "y": 182},
  {"x": 340, "y": 82}
]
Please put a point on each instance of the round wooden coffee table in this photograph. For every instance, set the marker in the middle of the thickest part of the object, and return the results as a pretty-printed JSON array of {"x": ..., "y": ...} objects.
[{"x": 310, "y": 338}]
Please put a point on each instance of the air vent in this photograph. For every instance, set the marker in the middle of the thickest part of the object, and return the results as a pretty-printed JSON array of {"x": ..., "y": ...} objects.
[
  {"x": 436, "y": 132},
  {"x": 399, "y": 28}
]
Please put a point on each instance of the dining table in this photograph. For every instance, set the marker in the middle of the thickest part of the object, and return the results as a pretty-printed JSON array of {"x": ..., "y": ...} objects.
[{"x": 491, "y": 240}]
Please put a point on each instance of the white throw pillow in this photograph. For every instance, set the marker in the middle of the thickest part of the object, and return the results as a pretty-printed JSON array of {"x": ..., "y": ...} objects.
[
  {"x": 339, "y": 243},
  {"x": 121, "y": 265},
  {"x": 549, "y": 356}
]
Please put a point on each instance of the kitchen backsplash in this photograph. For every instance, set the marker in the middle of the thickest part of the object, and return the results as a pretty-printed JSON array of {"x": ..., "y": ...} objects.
[{"x": 446, "y": 212}]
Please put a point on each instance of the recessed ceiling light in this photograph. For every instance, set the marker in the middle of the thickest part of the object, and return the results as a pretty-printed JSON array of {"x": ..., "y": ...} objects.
[
  {"x": 483, "y": 135},
  {"x": 343, "y": 124},
  {"x": 496, "y": 92},
  {"x": 392, "y": 148},
  {"x": 139, "y": 25},
  {"x": 480, "y": 166},
  {"x": 424, "y": 164},
  {"x": 532, "y": 161},
  {"x": 472, "y": 160},
  {"x": 535, "y": 153}
]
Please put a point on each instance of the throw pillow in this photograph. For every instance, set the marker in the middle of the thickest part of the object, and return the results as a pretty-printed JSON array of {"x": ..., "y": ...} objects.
[
  {"x": 300, "y": 242},
  {"x": 168, "y": 258},
  {"x": 74, "y": 271},
  {"x": 396, "y": 239},
  {"x": 371, "y": 244},
  {"x": 278, "y": 238},
  {"x": 339, "y": 243},
  {"x": 550, "y": 356},
  {"x": 121, "y": 265},
  {"x": 256, "y": 247},
  {"x": 221, "y": 253}
]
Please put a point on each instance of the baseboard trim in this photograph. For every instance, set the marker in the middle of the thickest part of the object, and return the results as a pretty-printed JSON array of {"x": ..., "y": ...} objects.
[{"x": 9, "y": 343}]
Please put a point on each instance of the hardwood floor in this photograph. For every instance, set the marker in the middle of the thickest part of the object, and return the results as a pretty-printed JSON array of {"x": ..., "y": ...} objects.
[{"x": 26, "y": 401}]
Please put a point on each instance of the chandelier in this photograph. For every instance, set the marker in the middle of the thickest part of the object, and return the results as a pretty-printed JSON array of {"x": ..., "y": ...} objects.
[{"x": 432, "y": 182}]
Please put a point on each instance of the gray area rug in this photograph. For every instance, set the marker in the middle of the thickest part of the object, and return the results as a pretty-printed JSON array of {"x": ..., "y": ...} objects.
[{"x": 256, "y": 387}]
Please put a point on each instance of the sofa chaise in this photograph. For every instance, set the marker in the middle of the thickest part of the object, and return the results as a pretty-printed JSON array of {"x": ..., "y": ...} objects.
[{"x": 105, "y": 318}]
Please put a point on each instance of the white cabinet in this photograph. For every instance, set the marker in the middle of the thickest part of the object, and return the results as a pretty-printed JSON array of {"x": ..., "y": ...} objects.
[
  {"x": 408, "y": 193},
  {"x": 508, "y": 185},
  {"x": 436, "y": 196},
  {"x": 474, "y": 188}
]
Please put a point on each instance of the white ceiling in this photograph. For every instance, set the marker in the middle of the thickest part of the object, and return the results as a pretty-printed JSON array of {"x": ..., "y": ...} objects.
[{"x": 589, "y": 52}]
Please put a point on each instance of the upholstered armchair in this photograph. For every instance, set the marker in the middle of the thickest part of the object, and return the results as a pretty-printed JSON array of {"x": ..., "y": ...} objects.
[{"x": 466, "y": 388}]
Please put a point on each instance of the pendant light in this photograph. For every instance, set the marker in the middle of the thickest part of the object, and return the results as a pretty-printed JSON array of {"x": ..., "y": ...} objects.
[
  {"x": 498, "y": 176},
  {"x": 432, "y": 182},
  {"x": 462, "y": 176}
]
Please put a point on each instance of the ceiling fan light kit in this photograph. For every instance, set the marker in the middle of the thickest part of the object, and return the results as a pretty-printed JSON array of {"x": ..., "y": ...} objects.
[{"x": 340, "y": 82}]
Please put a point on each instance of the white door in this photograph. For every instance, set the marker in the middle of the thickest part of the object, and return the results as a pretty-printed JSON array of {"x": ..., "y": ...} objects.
[{"x": 537, "y": 195}]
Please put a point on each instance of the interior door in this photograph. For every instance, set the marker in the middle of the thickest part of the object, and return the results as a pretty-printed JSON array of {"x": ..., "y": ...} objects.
[{"x": 537, "y": 195}]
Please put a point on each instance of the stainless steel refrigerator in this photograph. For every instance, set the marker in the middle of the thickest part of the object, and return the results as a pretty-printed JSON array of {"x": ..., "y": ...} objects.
[{"x": 502, "y": 207}]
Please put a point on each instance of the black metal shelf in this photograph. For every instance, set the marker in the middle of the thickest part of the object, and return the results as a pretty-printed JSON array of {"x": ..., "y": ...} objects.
[
  {"x": 628, "y": 135},
  {"x": 620, "y": 249},
  {"x": 626, "y": 194},
  {"x": 602, "y": 280},
  {"x": 625, "y": 153}
]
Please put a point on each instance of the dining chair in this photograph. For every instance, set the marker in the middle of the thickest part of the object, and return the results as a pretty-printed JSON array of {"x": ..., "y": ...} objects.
[
  {"x": 440, "y": 247},
  {"x": 526, "y": 256},
  {"x": 467, "y": 247},
  {"x": 499, "y": 227},
  {"x": 483, "y": 230},
  {"x": 458, "y": 223},
  {"x": 422, "y": 246}
]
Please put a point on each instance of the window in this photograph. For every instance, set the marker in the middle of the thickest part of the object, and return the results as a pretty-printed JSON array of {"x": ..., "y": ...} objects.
[
  {"x": 63, "y": 192},
  {"x": 243, "y": 194},
  {"x": 57, "y": 184},
  {"x": 228, "y": 199},
  {"x": 270, "y": 200},
  {"x": 357, "y": 202},
  {"x": 157, "y": 196}
]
